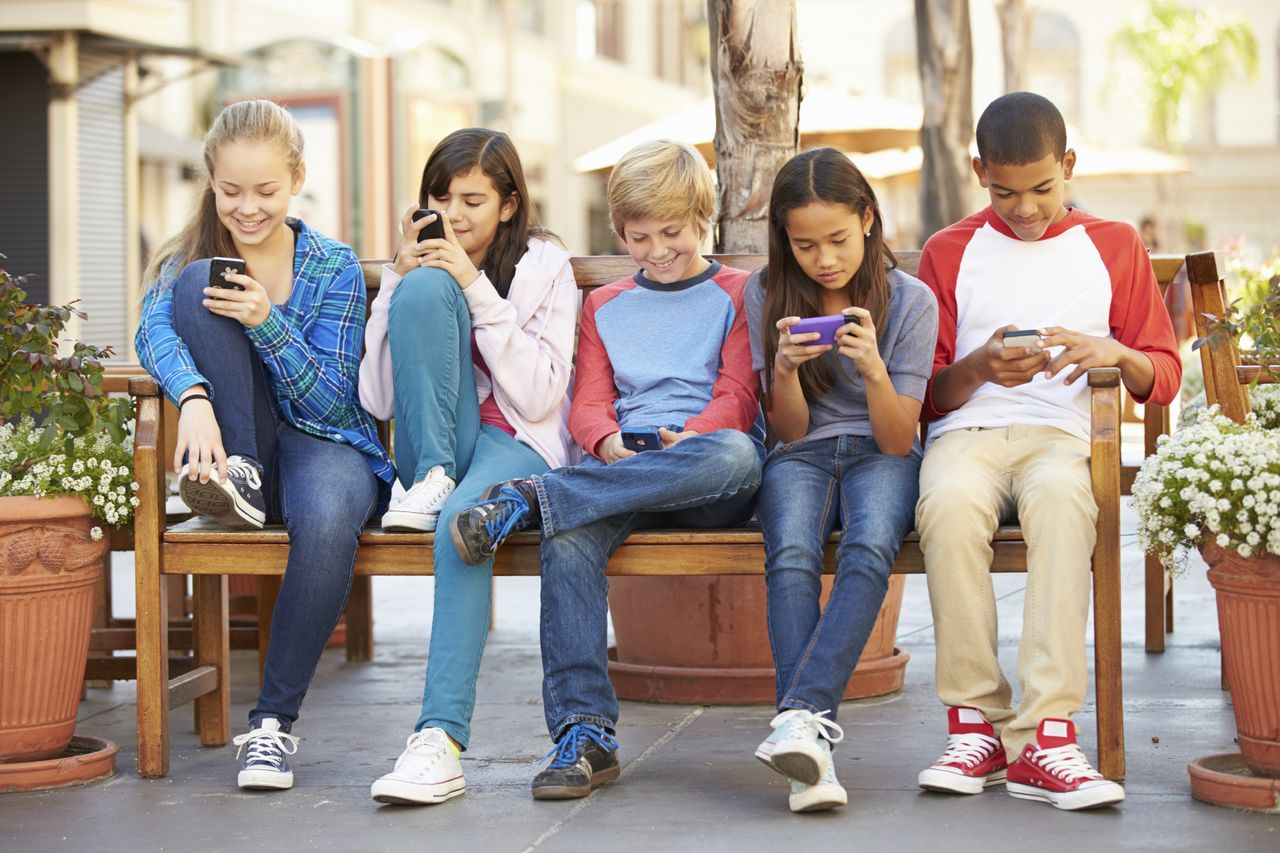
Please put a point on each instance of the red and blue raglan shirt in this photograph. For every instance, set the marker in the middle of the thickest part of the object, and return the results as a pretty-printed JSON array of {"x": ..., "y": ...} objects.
[
  {"x": 656, "y": 355},
  {"x": 1086, "y": 274}
]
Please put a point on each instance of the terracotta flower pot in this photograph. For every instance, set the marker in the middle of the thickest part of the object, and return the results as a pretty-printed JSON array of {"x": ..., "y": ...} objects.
[
  {"x": 1248, "y": 591},
  {"x": 706, "y": 640},
  {"x": 48, "y": 568}
]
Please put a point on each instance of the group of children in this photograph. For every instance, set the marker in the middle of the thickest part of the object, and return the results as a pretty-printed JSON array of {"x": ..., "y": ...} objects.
[{"x": 499, "y": 427}]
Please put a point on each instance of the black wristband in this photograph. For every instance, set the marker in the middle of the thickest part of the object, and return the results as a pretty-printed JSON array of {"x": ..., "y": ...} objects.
[{"x": 186, "y": 400}]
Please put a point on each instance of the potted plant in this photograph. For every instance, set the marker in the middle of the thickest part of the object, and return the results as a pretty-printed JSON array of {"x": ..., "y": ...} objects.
[{"x": 65, "y": 470}]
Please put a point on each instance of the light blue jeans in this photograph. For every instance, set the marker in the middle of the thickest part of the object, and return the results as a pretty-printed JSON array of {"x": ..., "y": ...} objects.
[
  {"x": 807, "y": 489},
  {"x": 587, "y": 511},
  {"x": 438, "y": 423}
]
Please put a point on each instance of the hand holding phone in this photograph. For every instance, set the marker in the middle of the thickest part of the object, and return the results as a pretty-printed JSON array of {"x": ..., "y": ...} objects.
[
  {"x": 218, "y": 269},
  {"x": 641, "y": 440},
  {"x": 1028, "y": 338},
  {"x": 433, "y": 230},
  {"x": 824, "y": 326}
]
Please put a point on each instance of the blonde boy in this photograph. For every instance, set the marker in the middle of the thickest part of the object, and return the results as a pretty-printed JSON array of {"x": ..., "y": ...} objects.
[{"x": 664, "y": 364}]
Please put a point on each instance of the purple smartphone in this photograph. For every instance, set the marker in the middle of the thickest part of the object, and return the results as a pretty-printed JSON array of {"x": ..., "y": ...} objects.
[{"x": 824, "y": 326}]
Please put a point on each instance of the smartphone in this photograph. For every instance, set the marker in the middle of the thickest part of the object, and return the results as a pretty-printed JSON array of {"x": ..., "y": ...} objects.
[
  {"x": 433, "y": 230},
  {"x": 1020, "y": 338},
  {"x": 219, "y": 267},
  {"x": 824, "y": 326},
  {"x": 641, "y": 440}
]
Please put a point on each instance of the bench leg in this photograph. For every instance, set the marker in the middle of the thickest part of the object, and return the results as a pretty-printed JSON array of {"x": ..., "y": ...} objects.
[
  {"x": 213, "y": 648},
  {"x": 360, "y": 619},
  {"x": 1154, "y": 589},
  {"x": 152, "y": 626}
]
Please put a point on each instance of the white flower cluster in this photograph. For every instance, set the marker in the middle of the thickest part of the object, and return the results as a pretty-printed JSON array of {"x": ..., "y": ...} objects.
[
  {"x": 1213, "y": 479},
  {"x": 1265, "y": 401},
  {"x": 98, "y": 470}
]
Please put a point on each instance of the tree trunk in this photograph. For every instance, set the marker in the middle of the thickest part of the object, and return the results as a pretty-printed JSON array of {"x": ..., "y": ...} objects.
[
  {"x": 756, "y": 74},
  {"x": 945, "y": 53},
  {"x": 1015, "y": 41}
]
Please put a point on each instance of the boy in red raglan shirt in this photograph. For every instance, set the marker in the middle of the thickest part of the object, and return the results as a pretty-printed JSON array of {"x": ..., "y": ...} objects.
[{"x": 1009, "y": 437}]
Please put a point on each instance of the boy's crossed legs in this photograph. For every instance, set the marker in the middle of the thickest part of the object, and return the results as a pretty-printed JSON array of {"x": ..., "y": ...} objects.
[
  {"x": 969, "y": 481},
  {"x": 586, "y": 512}
]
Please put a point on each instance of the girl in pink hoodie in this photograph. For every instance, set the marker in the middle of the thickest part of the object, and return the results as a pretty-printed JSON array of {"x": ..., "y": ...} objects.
[{"x": 469, "y": 346}]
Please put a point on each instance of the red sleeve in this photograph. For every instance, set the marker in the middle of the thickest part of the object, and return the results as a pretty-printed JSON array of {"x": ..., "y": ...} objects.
[
  {"x": 734, "y": 402},
  {"x": 1138, "y": 318},
  {"x": 939, "y": 269},
  {"x": 592, "y": 416}
]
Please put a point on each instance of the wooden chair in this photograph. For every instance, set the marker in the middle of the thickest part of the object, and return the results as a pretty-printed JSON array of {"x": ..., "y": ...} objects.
[
  {"x": 1227, "y": 371},
  {"x": 210, "y": 553}
]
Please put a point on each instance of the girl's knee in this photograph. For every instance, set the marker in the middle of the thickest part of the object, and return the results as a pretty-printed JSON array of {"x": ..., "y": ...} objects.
[{"x": 426, "y": 288}]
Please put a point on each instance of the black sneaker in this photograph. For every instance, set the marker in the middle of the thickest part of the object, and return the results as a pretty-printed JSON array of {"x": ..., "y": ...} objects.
[
  {"x": 265, "y": 762},
  {"x": 235, "y": 503},
  {"x": 585, "y": 758},
  {"x": 503, "y": 509}
]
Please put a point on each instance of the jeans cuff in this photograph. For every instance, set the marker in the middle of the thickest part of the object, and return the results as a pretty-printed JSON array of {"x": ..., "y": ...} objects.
[
  {"x": 599, "y": 722},
  {"x": 544, "y": 506}
]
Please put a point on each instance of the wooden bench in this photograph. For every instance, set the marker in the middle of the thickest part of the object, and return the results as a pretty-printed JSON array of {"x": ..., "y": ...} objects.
[{"x": 210, "y": 553}]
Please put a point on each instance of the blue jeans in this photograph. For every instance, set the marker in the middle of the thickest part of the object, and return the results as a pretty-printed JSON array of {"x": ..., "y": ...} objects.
[
  {"x": 437, "y": 413},
  {"x": 807, "y": 488},
  {"x": 587, "y": 511},
  {"x": 321, "y": 490},
  {"x": 438, "y": 423}
]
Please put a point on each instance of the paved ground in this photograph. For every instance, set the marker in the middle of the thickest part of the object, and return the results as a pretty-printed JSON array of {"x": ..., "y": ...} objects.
[{"x": 689, "y": 780}]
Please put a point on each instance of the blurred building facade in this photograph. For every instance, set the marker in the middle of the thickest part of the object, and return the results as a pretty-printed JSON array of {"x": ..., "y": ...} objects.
[{"x": 107, "y": 99}]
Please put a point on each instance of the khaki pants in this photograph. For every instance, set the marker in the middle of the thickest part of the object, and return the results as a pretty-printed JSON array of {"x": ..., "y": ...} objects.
[{"x": 970, "y": 481}]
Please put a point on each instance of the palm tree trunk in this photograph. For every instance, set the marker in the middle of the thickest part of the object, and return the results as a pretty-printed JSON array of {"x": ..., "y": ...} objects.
[
  {"x": 756, "y": 74},
  {"x": 945, "y": 52},
  {"x": 1015, "y": 41}
]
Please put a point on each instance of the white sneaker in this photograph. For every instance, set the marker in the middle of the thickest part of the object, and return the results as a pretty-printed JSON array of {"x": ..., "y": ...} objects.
[
  {"x": 800, "y": 746},
  {"x": 419, "y": 509},
  {"x": 266, "y": 763},
  {"x": 827, "y": 794},
  {"x": 427, "y": 772}
]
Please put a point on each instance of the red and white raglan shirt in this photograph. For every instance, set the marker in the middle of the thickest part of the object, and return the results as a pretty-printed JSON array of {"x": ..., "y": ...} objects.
[{"x": 1085, "y": 274}]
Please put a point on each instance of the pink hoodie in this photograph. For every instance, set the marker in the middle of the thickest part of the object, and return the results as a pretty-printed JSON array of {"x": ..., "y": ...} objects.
[{"x": 527, "y": 342}]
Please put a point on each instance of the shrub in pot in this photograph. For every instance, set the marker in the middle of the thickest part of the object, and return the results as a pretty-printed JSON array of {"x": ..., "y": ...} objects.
[{"x": 65, "y": 470}]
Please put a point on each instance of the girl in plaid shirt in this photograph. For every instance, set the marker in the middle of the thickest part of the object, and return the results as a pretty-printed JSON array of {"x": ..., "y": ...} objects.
[{"x": 262, "y": 366}]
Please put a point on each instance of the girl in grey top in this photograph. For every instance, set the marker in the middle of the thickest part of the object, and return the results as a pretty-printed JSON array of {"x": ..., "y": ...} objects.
[{"x": 844, "y": 416}]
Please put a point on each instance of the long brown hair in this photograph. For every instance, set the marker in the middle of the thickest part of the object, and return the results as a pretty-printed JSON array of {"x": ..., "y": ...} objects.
[
  {"x": 825, "y": 175},
  {"x": 493, "y": 154},
  {"x": 204, "y": 236}
]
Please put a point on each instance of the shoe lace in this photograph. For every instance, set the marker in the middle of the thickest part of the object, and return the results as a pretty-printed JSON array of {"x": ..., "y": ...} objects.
[
  {"x": 1066, "y": 762},
  {"x": 968, "y": 748},
  {"x": 508, "y": 512},
  {"x": 817, "y": 723},
  {"x": 575, "y": 740},
  {"x": 246, "y": 469},
  {"x": 425, "y": 494},
  {"x": 265, "y": 746},
  {"x": 426, "y": 746}
]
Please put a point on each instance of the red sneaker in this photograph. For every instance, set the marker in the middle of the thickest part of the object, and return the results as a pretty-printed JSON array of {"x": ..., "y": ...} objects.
[
  {"x": 974, "y": 759},
  {"x": 1053, "y": 769}
]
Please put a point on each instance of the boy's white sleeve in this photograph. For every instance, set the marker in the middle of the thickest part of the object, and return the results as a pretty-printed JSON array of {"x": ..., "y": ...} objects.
[{"x": 377, "y": 391}]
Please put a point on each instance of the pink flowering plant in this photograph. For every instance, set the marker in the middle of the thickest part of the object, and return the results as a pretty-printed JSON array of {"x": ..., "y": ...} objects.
[
  {"x": 59, "y": 433},
  {"x": 1212, "y": 480}
]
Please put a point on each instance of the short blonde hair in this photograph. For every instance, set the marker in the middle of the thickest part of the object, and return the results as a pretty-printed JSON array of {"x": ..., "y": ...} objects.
[{"x": 662, "y": 179}]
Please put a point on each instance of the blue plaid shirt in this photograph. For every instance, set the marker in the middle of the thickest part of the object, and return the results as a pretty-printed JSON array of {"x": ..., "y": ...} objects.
[{"x": 311, "y": 346}]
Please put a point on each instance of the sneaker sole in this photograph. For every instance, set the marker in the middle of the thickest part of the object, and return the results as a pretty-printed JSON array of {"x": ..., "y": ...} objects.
[
  {"x": 411, "y": 522},
  {"x": 395, "y": 792},
  {"x": 819, "y": 798},
  {"x": 946, "y": 782},
  {"x": 1088, "y": 798},
  {"x": 795, "y": 764},
  {"x": 567, "y": 792},
  {"x": 264, "y": 780},
  {"x": 220, "y": 503}
]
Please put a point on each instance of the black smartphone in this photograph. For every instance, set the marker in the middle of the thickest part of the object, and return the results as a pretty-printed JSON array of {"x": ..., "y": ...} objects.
[
  {"x": 219, "y": 267},
  {"x": 641, "y": 440},
  {"x": 433, "y": 230}
]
